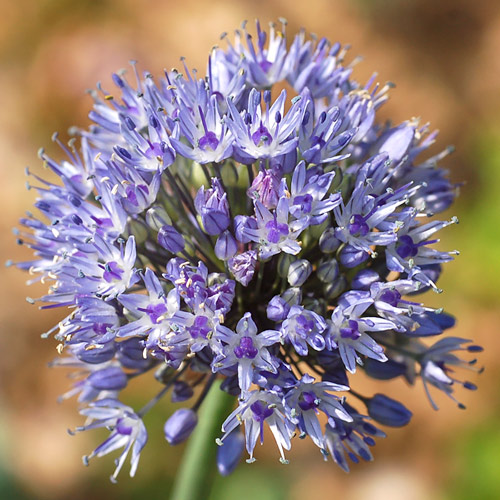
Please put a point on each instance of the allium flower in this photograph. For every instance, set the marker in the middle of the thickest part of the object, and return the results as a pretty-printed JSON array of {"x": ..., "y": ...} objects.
[
  {"x": 257, "y": 408},
  {"x": 268, "y": 134},
  {"x": 353, "y": 439},
  {"x": 347, "y": 333},
  {"x": 302, "y": 328},
  {"x": 247, "y": 349},
  {"x": 127, "y": 431},
  {"x": 219, "y": 231},
  {"x": 307, "y": 399}
]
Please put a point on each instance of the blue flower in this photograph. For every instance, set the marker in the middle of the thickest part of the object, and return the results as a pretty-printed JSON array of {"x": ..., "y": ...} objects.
[
  {"x": 307, "y": 399},
  {"x": 363, "y": 213},
  {"x": 410, "y": 251},
  {"x": 255, "y": 410},
  {"x": 264, "y": 65},
  {"x": 153, "y": 311},
  {"x": 321, "y": 142},
  {"x": 206, "y": 132},
  {"x": 102, "y": 381},
  {"x": 347, "y": 333},
  {"x": 261, "y": 135},
  {"x": 317, "y": 66},
  {"x": 213, "y": 207},
  {"x": 307, "y": 192},
  {"x": 247, "y": 349},
  {"x": 266, "y": 187},
  {"x": 273, "y": 232},
  {"x": 127, "y": 432},
  {"x": 106, "y": 271},
  {"x": 436, "y": 366},
  {"x": 202, "y": 230},
  {"x": 353, "y": 439},
  {"x": 303, "y": 327},
  {"x": 242, "y": 266}
]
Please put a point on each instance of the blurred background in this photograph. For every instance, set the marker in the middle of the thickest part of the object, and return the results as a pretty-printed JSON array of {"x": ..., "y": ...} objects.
[{"x": 444, "y": 57}]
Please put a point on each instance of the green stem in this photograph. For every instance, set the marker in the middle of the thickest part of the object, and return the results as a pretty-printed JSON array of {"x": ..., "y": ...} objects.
[
  {"x": 260, "y": 276},
  {"x": 198, "y": 468}
]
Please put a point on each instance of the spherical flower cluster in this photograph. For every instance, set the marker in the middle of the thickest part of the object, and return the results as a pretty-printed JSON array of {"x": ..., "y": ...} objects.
[{"x": 258, "y": 226}]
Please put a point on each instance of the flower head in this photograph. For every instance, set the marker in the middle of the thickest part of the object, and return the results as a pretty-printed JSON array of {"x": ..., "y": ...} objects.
[{"x": 217, "y": 229}]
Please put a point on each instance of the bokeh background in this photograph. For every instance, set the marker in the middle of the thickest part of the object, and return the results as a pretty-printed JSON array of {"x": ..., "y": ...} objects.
[{"x": 444, "y": 57}]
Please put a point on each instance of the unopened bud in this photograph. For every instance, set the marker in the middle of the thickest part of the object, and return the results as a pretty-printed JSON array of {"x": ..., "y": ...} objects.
[
  {"x": 180, "y": 425},
  {"x": 157, "y": 217},
  {"x": 293, "y": 296},
  {"x": 335, "y": 288},
  {"x": 351, "y": 256},
  {"x": 108, "y": 379},
  {"x": 284, "y": 262},
  {"x": 363, "y": 279},
  {"x": 388, "y": 411},
  {"x": 328, "y": 243},
  {"x": 170, "y": 239},
  {"x": 229, "y": 453},
  {"x": 328, "y": 271},
  {"x": 298, "y": 272},
  {"x": 226, "y": 246},
  {"x": 277, "y": 309}
]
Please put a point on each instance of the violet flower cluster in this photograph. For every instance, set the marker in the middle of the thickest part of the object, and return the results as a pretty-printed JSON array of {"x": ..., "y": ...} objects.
[{"x": 222, "y": 227}]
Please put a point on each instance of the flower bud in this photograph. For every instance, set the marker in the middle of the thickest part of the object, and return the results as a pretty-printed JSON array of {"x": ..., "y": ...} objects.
[
  {"x": 168, "y": 154},
  {"x": 335, "y": 288},
  {"x": 213, "y": 207},
  {"x": 131, "y": 354},
  {"x": 101, "y": 354},
  {"x": 277, "y": 309},
  {"x": 384, "y": 371},
  {"x": 108, "y": 379},
  {"x": 226, "y": 246},
  {"x": 387, "y": 411},
  {"x": 180, "y": 425},
  {"x": 328, "y": 243},
  {"x": 241, "y": 223},
  {"x": 336, "y": 377},
  {"x": 286, "y": 162},
  {"x": 229, "y": 454},
  {"x": 298, "y": 272},
  {"x": 396, "y": 141},
  {"x": 170, "y": 239},
  {"x": 181, "y": 391},
  {"x": 157, "y": 217},
  {"x": 231, "y": 386},
  {"x": 138, "y": 229},
  {"x": 284, "y": 261},
  {"x": 163, "y": 373},
  {"x": 243, "y": 266},
  {"x": 351, "y": 256},
  {"x": 214, "y": 221},
  {"x": 315, "y": 305},
  {"x": 265, "y": 187},
  {"x": 328, "y": 271},
  {"x": 364, "y": 279},
  {"x": 293, "y": 296}
]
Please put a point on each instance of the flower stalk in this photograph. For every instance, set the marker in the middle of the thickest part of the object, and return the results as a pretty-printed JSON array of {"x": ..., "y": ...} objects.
[{"x": 198, "y": 468}]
